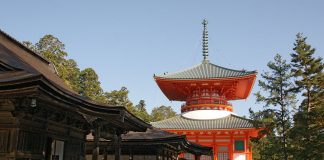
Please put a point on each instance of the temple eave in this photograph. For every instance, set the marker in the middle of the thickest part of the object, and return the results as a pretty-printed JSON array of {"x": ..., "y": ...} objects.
[{"x": 232, "y": 88}]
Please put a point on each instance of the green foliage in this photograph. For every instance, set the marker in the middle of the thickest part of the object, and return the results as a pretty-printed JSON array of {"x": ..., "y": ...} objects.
[
  {"x": 305, "y": 135},
  {"x": 120, "y": 98},
  {"x": 279, "y": 98},
  {"x": 309, "y": 122},
  {"x": 162, "y": 113},
  {"x": 308, "y": 71},
  {"x": 278, "y": 85},
  {"x": 52, "y": 49},
  {"x": 71, "y": 75},
  {"x": 85, "y": 83},
  {"x": 266, "y": 148},
  {"x": 29, "y": 45},
  {"x": 141, "y": 111},
  {"x": 90, "y": 85}
]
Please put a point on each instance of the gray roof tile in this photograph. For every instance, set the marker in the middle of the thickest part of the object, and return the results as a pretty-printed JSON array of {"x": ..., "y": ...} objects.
[
  {"x": 228, "y": 122},
  {"x": 206, "y": 70}
]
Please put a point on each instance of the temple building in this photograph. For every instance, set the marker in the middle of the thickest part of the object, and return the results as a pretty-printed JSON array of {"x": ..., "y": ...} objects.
[
  {"x": 207, "y": 116},
  {"x": 41, "y": 118},
  {"x": 154, "y": 144}
]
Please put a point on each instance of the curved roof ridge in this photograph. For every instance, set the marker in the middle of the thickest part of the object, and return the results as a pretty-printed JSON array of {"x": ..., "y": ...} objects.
[
  {"x": 24, "y": 47},
  {"x": 231, "y": 69},
  {"x": 234, "y": 115},
  {"x": 206, "y": 71},
  {"x": 182, "y": 70},
  {"x": 166, "y": 119}
]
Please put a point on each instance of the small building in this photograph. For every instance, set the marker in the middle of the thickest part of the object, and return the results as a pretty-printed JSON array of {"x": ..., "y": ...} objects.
[
  {"x": 154, "y": 144},
  {"x": 207, "y": 116},
  {"x": 41, "y": 118}
]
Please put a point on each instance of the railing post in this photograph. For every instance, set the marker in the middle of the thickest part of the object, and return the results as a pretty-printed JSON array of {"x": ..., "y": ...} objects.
[
  {"x": 118, "y": 141},
  {"x": 96, "y": 137}
]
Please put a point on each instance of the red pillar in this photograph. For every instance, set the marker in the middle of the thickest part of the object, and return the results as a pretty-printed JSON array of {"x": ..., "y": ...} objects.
[
  {"x": 246, "y": 149},
  {"x": 231, "y": 147}
]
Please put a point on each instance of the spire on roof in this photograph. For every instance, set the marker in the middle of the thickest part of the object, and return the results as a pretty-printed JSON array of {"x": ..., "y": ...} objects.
[{"x": 205, "y": 40}]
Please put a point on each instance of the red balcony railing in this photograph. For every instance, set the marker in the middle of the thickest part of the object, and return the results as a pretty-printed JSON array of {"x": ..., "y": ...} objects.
[{"x": 207, "y": 101}]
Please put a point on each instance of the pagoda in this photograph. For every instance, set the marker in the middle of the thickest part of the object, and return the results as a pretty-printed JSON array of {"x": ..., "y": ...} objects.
[{"x": 207, "y": 116}]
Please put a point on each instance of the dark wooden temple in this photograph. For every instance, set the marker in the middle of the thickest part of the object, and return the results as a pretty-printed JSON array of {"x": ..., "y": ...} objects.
[
  {"x": 154, "y": 144},
  {"x": 42, "y": 118}
]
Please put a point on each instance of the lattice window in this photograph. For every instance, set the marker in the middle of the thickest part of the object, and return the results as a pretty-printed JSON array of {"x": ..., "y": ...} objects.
[
  {"x": 195, "y": 94},
  {"x": 205, "y": 93},
  {"x": 222, "y": 153},
  {"x": 223, "y": 156},
  {"x": 214, "y": 93},
  {"x": 204, "y": 157}
]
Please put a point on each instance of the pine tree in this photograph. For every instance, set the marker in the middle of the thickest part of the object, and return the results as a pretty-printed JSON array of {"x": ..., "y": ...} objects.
[
  {"x": 279, "y": 97},
  {"x": 141, "y": 111},
  {"x": 90, "y": 85},
  {"x": 309, "y": 122}
]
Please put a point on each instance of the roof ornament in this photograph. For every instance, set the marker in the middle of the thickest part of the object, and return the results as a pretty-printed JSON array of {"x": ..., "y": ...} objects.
[{"x": 205, "y": 41}]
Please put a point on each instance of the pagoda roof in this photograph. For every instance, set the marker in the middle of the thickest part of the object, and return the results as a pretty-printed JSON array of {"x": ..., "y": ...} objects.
[
  {"x": 206, "y": 70},
  {"x": 182, "y": 123}
]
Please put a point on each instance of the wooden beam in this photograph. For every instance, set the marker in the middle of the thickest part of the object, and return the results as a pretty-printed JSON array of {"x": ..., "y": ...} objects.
[
  {"x": 197, "y": 157},
  {"x": 96, "y": 137},
  {"x": 105, "y": 155},
  {"x": 118, "y": 140}
]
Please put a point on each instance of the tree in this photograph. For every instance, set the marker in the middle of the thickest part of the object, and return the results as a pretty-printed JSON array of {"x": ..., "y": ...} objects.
[
  {"x": 120, "y": 98},
  {"x": 308, "y": 71},
  {"x": 141, "y": 111},
  {"x": 30, "y": 45},
  {"x": 90, "y": 85},
  {"x": 162, "y": 113},
  {"x": 278, "y": 96},
  {"x": 309, "y": 122},
  {"x": 86, "y": 82},
  {"x": 53, "y": 50},
  {"x": 71, "y": 74}
]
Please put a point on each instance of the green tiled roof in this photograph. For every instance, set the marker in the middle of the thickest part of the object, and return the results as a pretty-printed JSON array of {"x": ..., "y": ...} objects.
[
  {"x": 206, "y": 70},
  {"x": 228, "y": 122}
]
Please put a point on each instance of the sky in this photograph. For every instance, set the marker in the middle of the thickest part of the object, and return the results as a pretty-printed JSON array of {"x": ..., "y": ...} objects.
[{"x": 126, "y": 42}]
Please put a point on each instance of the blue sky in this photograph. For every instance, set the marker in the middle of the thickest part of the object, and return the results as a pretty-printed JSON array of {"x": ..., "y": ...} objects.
[{"x": 126, "y": 42}]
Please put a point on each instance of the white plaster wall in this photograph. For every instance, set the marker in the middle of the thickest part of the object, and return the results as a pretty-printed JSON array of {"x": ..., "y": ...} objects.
[
  {"x": 239, "y": 156},
  {"x": 206, "y": 114}
]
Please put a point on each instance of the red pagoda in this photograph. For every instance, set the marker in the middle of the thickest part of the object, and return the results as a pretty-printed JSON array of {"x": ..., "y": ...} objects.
[{"x": 207, "y": 116}]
